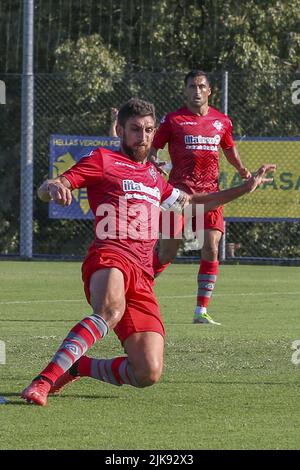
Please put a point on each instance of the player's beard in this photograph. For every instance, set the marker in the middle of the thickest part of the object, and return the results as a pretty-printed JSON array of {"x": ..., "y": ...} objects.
[{"x": 138, "y": 153}]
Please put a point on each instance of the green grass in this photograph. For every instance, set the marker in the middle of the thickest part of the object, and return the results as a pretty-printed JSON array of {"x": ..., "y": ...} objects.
[{"x": 227, "y": 387}]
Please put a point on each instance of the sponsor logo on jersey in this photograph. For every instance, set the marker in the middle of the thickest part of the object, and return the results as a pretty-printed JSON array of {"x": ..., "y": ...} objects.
[
  {"x": 125, "y": 164},
  {"x": 188, "y": 123},
  {"x": 200, "y": 142},
  {"x": 153, "y": 173},
  {"x": 218, "y": 125},
  {"x": 201, "y": 139},
  {"x": 132, "y": 186}
]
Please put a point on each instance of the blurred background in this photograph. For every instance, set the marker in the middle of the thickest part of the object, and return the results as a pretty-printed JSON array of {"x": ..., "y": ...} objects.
[{"x": 92, "y": 55}]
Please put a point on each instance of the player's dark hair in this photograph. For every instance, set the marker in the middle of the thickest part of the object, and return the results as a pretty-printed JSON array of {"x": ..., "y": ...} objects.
[
  {"x": 196, "y": 73},
  {"x": 135, "y": 107}
]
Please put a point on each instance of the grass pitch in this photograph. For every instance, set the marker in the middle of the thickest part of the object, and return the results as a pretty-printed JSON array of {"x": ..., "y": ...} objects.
[{"x": 227, "y": 387}]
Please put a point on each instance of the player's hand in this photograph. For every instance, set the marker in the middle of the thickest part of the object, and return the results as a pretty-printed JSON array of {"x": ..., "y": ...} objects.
[
  {"x": 245, "y": 174},
  {"x": 59, "y": 193},
  {"x": 184, "y": 199},
  {"x": 259, "y": 176}
]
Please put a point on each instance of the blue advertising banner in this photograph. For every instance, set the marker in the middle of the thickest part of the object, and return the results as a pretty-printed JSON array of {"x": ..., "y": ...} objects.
[{"x": 65, "y": 151}]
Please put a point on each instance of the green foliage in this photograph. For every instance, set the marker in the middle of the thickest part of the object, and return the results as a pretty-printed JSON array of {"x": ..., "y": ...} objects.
[
  {"x": 276, "y": 240},
  {"x": 101, "y": 53},
  {"x": 92, "y": 67}
]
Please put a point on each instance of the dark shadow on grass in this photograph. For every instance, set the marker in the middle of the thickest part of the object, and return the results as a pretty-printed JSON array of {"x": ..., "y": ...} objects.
[
  {"x": 102, "y": 397},
  {"x": 21, "y": 401}
]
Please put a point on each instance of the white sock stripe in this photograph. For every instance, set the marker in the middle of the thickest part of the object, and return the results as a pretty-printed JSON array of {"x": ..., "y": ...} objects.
[
  {"x": 79, "y": 339},
  {"x": 207, "y": 277},
  {"x": 94, "y": 369},
  {"x": 132, "y": 379},
  {"x": 112, "y": 378},
  {"x": 62, "y": 360},
  {"x": 122, "y": 371},
  {"x": 206, "y": 285},
  {"x": 204, "y": 293},
  {"x": 100, "y": 323},
  {"x": 101, "y": 369}
]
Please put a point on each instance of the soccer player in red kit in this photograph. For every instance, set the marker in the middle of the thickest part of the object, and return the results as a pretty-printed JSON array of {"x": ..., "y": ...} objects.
[
  {"x": 125, "y": 192},
  {"x": 194, "y": 134}
]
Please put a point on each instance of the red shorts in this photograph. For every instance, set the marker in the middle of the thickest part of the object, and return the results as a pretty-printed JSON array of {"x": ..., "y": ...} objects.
[
  {"x": 213, "y": 220},
  {"x": 142, "y": 311}
]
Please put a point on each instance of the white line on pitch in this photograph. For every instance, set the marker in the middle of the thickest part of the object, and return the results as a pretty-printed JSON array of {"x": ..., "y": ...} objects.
[{"x": 232, "y": 294}]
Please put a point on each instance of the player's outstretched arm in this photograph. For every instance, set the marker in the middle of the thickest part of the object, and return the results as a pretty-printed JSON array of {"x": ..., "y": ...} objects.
[
  {"x": 213, "y": 200},
  {"x": 234, "y": 159},
  {"x": 57, "y": 190}
]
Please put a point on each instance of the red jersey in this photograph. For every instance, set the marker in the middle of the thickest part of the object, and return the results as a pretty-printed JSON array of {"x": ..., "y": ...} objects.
[
  {"x": 125, "y": 198},
  {"x": 194, "y": 142}
]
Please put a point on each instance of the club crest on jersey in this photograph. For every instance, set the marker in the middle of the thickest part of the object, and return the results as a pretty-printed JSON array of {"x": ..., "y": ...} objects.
[
  {"x": 153, "y": 173},
  {"x": 218, "y": 125}
]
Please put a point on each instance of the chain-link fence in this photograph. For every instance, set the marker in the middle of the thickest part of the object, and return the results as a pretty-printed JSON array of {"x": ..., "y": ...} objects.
[
  {"x": 10, "y": 137},
  {"x": 259, "y": 107}
]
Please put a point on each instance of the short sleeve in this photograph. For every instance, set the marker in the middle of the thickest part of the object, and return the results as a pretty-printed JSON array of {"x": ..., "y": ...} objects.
[
  {"x": 227, "y": 141},
  {"x": 162, "y": 135},
  {"x": 87, "y": 172}
]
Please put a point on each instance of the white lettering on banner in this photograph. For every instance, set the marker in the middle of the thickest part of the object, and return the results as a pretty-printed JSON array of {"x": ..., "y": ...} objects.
[
  {"x": 2, "y": 92},
  {"x": 295, "y": 88}
]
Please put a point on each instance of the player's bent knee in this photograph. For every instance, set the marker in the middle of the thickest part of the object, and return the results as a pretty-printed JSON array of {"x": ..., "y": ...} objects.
[
  {"x": 112, "y": 316},
  {"x": 148, "y": 376},
  {"x": 147, "y": 381},
  {"x": 210, "y": 251}
]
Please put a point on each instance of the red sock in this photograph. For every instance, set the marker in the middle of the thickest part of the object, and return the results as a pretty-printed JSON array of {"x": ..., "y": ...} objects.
[
  {"x": 207, "y": 277},
  {"x": 84, "y": 366},
  {"x": 78, "y": 341},
  {"x": 116, "y": 371}
]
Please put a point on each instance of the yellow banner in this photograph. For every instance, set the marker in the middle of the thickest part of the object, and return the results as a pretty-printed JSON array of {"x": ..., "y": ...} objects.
[{"x": 278, "y": 199}]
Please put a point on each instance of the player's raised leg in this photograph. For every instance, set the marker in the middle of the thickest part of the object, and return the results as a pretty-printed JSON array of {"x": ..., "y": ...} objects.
[
  {"x": 166, "y": 254},
  {"x": 141, "y": 332},
  {"x": 141, "y": 367},
  {"x": 108, "y": 302}
]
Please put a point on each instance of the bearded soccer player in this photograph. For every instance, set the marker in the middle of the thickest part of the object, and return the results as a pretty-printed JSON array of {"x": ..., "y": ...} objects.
[
  {"x": 194, "y": 134},
  {"x": 117, "y": 271}
]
